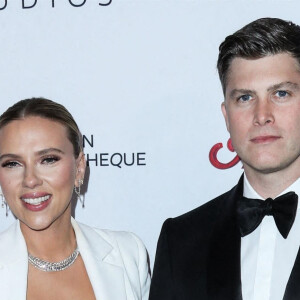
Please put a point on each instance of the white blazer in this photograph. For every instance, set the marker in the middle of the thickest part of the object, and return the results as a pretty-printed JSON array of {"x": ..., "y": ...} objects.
[{"x": 116, "y": 263}]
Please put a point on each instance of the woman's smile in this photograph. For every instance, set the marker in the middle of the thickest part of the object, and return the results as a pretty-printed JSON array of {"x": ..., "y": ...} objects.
[
  {"x": 37, "y": 203},
  {"x": 38, "y": 171}
]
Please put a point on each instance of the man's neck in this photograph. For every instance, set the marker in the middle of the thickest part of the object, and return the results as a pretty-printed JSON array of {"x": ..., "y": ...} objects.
[{"x": 271, "y": 184}]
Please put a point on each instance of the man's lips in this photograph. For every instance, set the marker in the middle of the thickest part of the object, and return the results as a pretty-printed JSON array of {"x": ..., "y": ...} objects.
[{"x": 264, "y": 139}]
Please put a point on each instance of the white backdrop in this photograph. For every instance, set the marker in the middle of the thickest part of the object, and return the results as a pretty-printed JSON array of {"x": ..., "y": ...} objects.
[{"x": 140, "y": 77}]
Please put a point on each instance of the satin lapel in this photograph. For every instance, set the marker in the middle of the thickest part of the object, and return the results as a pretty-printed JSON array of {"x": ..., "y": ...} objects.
[
  {"x": 292, "y": 291},
  {"x": 102, "y": 264},
  {"x": 224, "y": 276},
  {"x": 13, "y": 264}
]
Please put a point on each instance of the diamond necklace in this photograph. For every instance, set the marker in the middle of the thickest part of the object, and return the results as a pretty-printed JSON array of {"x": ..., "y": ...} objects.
[{"x": 47, "y": 266}]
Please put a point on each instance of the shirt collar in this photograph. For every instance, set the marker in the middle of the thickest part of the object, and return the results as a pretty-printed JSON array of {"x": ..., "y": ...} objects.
[{"x": 249, "y": 191}]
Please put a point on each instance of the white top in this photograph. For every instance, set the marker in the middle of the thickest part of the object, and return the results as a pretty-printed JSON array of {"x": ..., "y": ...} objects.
[
  {"x": 115, "y": 261},
  {"x": 267, "y": 259}
]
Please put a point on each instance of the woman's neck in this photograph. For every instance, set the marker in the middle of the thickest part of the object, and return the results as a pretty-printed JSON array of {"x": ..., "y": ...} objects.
[{"x": 54, "y": 243}]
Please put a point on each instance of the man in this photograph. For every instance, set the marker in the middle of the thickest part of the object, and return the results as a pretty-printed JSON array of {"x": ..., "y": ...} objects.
[{"x": 234, "y": 247}]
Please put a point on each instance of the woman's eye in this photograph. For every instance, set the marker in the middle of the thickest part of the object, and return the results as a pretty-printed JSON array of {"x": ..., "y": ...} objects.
[
  {"x": 281, "y": 94},
  {"x": 245, "y": 98},
  {"x": 50, "y": 160},
  {"x": 10, "y": 164}
]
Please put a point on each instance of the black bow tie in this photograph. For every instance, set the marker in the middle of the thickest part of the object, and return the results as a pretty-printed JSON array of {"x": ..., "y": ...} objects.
[{"x": 250, "y": 212}]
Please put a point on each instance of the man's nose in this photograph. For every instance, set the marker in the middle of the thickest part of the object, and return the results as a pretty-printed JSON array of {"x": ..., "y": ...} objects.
[{"x": 263, "y": 113}]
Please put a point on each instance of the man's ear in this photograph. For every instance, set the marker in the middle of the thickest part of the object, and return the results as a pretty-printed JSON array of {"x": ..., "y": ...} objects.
[
  {"x": 224, "y": 112},
  {"x": 80, "y": 168}
]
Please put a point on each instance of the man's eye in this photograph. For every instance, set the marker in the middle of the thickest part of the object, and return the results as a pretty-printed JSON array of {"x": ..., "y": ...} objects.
[
  {"x": 244, "y": 98},
  {"x": 281, "y": 94},
  {"x": 50, "y": 160},
  {"x": 10, "y": 164}
]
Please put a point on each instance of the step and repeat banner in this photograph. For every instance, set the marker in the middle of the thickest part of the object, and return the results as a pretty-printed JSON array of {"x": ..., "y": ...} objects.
[{"x": 139, "y": 77}]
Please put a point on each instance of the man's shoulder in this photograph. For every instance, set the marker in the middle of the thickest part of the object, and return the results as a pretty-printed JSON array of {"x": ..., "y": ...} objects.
[
  {"x": 194, "y": 221},
  {"x": 207, "y": 211}
]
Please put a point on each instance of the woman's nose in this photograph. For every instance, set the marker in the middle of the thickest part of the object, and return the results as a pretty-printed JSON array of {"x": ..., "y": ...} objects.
[{"x": 31, "y": 178}]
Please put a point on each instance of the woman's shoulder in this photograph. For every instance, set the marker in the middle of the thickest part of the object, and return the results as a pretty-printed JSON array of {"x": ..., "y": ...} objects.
[
  {"x": 122, "y": 238},
  {"x": 125, "y": 241},
  {"x": 123, "y": 249}
]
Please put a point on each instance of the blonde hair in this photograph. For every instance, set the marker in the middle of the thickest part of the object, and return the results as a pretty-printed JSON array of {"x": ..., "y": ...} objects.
[{"x": 48, "y": 109}]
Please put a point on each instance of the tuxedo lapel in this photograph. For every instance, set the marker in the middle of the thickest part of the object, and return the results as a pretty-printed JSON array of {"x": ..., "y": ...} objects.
[
  {"x": 102, "y": 264},
  {"x": 292, "y": 291},
  {"x": 224, "y": 276}
]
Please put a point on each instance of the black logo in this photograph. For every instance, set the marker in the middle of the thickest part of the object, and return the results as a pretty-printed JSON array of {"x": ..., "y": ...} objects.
[
  {"x": 116, "y": 159},
  {"x": 27, "y": 4}
]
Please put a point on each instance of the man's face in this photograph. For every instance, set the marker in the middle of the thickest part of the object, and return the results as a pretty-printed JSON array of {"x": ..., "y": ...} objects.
[{"x": 262, "y": 112}]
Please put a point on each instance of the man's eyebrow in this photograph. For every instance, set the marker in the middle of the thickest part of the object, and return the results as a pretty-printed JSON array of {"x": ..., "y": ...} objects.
[
  {"x": 240, "y": 91},
  {"x": 285, "y": 84},
  {"x": 281, "y": 85},
  {"x": 38, "y": 153}
]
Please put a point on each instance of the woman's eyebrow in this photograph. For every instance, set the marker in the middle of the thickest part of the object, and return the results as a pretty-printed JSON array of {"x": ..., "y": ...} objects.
[
  {"x": 46, "y": 151},
  {"x": 41, "y": 152},
  {"x": 9, "y": 155}
]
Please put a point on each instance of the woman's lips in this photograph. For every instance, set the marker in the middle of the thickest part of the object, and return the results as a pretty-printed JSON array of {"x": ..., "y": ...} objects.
[
  {"x": 265, "y": 139},
  {"x": 34, "y": 195},
  {"x": 36, "y": 201}
]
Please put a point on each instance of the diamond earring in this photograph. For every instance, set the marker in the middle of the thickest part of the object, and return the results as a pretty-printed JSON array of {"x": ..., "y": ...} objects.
[
  {"x": 78, "y": 190},
  {"x": 4, "y": 203}
]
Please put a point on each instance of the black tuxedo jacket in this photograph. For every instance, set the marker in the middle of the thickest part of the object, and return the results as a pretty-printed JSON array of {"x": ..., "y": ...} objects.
[{"x": 198, "y": 255}]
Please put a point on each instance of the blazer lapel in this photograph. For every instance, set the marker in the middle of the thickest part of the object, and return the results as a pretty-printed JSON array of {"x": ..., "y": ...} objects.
[
  {"x": 224, "y": 275},
  {"x": 13, "y": 264},
  {"x": 102, "y": 264}
]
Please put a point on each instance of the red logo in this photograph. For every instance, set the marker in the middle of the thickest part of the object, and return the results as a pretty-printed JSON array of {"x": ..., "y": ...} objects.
[{"x": 214, "y": 160}]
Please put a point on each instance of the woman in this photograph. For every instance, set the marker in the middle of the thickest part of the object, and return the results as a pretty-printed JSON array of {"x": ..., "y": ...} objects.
[{"x": 41, "y": 163}]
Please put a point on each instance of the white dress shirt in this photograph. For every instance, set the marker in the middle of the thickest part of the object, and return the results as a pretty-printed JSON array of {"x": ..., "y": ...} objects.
[{"x": 267, "y": 259}]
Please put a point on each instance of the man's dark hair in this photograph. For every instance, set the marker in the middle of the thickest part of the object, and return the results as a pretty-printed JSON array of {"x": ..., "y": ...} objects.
[{"x": 260, "y": 38}]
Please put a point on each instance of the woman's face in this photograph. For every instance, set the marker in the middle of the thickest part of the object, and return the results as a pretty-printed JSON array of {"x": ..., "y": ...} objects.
[{"x": 38, "y": 171}]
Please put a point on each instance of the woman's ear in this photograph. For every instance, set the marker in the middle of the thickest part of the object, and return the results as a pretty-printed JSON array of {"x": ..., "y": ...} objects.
[{"x": 80, "y": 168}]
